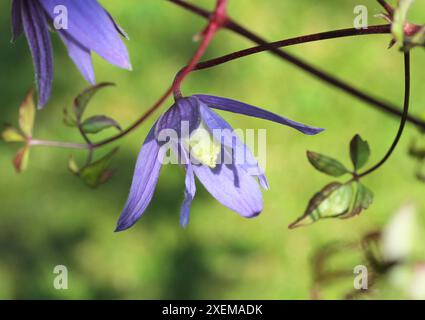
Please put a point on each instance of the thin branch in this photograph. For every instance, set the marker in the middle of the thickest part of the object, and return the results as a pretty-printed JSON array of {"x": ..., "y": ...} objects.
[
  {"x": 138, "y": 122},
  {"x": 403, "y": 119},
  {"x": 379, "y": 29},
  {"x": 273, "y": 47},
  {"x": 387, "y": 7},
  {"x": 190, "y": 7},
  {"x": 59, "y": 144},
  {"x": 329, "y": 79},
  {"x": 215, "y": 23}
]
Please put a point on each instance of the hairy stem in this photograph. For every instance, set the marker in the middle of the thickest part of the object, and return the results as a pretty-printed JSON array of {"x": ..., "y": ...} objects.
[{"x": 403, "y": 119}]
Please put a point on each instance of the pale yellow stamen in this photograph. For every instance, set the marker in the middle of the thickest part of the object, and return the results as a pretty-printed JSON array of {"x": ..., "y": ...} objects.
[{"x": 203, "y": 147}]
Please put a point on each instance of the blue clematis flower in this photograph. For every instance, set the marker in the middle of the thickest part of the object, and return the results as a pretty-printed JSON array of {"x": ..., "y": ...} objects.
[
  {"x": 203, "y": 153},
  {"x": 88, "y": 27}
]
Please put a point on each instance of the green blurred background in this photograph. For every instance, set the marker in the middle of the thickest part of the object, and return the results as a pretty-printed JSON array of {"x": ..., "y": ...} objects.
[{"x": 48, "y": 217}]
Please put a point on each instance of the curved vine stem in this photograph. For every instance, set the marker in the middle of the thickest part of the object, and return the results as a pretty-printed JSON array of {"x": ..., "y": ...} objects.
[
  {"x": 273, "y": 48},
  {"x": 217, "y": 20},
  {"x": 387, "y": 7},
  {"x": 342, "y": 33},
  {"x": 283, "y": 43},
  {"x": 327, "y": 78},
  {"x": 403, "y": 119}
]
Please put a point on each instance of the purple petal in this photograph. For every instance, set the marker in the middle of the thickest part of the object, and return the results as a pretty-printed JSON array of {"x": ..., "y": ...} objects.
[
  {"x": 144, "y": 182},
  {"x": 189, "y": 193},
  {"x": 90, "y": 25},
  {"x": 233, "y": 188},
  {"x": 242, "y": 154},
  {"x": 81, "y": 57},
  {"x": 185, "y": 110},
  {"x": 17, "y": 27},
  {"x": 37, "y": 33},
  {"x": 246, "y": 109}
]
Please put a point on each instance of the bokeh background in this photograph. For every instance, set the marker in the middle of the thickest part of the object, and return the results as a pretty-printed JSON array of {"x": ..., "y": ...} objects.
[{"x": 48, "y": 217}]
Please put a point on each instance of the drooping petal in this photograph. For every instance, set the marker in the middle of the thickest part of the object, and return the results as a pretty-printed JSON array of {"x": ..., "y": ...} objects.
[
  {"x": 242, "y": 155},
  {"x": 17, "y": 27},
  {"x": 90, "y": 25},
  {"x": 37, "y": 33},
  {"x": 184, "y": 112},
  {"x": 233, "y": 188},
  {"x": 189, "y": 193},
  {"x": 81, "y": 57},
  {"x": 246, "y": 109},
  {"x": 144, "y": 182}
]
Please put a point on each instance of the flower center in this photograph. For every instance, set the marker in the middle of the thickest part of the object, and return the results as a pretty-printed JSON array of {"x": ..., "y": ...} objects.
[{"x": 203, "y": 147}]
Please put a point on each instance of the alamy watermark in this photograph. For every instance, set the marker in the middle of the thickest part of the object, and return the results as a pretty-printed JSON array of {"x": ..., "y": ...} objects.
[
  {"x": 361, "y": 21},
  {"x": 60, "y": 282},
  {"x": 361, "y": 280},
  {"x": 246, "y": 148},
  {"x": 60, "y": 22}
]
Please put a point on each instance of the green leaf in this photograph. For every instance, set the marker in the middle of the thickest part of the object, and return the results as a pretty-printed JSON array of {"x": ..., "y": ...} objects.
[
  {"x": 400, "y": 19},
  {"x": 333, "y": 201},
  {"x": 326, "y": 164},
  {"x": 82, "y": 100},
  {"x": 363, "y": 200},
  {"x": 11, "y": 134},
  {"x": 359, "y": 152},
  {"x": 27, "y": 114},
  {"x": 98, "y": 123},
  {"x": 21, "y": 159},
  {"x": 69, "y": 119},
  {"x": 98, "y": 173}
]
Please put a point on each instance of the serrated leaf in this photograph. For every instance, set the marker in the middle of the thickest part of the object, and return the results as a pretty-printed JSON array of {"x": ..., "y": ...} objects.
[
  {"x": 73, "y": 166},
  {"x": 11, "y": 134},
  {"x": 400, "y": 19},
  {"x": 98, "y": 172},
  {"x": 332, "y": 201},
  {"x": 363, "y": 200},
  {"x": 327, "y": 164},
  {"x": 82, "y": 100},
  {"x": 359, "y": 152},
  {"x": 69, "y": 119},
  {"x": 97, "y": 124},
  {"x": 21, "y": 159},
  {"x": 27, "y": 114}
]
